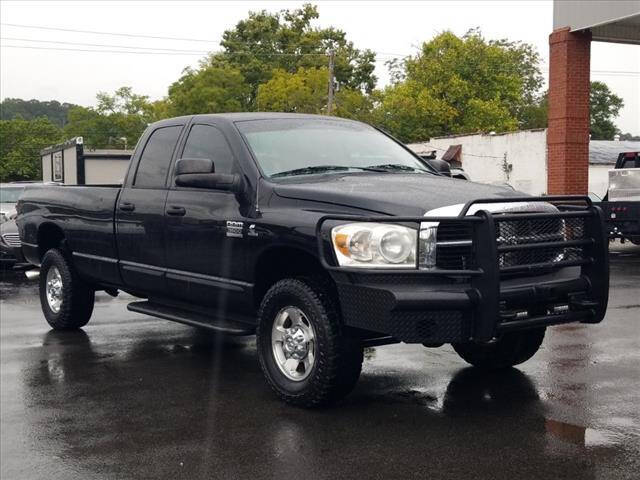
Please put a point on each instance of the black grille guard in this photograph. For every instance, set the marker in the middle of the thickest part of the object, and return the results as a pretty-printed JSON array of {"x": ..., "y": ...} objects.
[{"x": 485, "y": 277}]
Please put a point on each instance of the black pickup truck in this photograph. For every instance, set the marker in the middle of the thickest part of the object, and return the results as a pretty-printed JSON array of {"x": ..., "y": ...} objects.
[{"x": 322, "y": 236}]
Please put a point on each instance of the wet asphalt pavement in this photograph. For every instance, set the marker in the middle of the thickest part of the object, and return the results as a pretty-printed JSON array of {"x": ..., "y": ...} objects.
[{"x": 136, "y": 397}]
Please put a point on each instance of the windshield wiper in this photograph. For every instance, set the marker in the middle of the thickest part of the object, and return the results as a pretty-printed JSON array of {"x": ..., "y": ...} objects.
[
  {"x": 397, "y": 167},
  {"x": 324, "y": 168}
]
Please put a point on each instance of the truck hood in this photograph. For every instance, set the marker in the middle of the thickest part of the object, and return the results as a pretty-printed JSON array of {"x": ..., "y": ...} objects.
[{"x": 390, "y": 193}]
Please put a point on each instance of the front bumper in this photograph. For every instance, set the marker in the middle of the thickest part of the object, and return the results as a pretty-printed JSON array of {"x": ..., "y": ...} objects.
[{"x": 446, "y": 306}]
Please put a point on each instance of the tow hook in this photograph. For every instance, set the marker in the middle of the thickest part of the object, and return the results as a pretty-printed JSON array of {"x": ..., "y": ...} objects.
[{"x": 32, "y": 274}]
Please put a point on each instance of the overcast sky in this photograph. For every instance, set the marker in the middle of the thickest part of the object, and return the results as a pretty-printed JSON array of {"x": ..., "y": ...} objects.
[{"x": 395, "y": 28}]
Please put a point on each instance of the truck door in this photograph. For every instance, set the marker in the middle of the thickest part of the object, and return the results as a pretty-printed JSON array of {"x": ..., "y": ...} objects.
[
  {"x": 140, "y": 214},
  {"x": 205, "y": 245}
]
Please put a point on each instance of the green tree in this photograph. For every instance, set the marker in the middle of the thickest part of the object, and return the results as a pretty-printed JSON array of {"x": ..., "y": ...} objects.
[
  {"x": 210, "y": 89},
  {"x": 265, "y": 43},
  {"x": 306, "y": 91},
  {"x": 122, "y": 115},
  {"x": 604, "y": 106},
  {"x": 20, "y": 144},
  {"x": 629, "y": 137},
  {"x": 356, "y": 105},
  {"x": 303, "y": 92},
  {"x": 459, "y": 85},
  {"x": 55, "y": 111}
]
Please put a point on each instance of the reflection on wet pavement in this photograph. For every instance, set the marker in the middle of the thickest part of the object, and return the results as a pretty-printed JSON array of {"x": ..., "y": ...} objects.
[{"x": 136, "y": 397}]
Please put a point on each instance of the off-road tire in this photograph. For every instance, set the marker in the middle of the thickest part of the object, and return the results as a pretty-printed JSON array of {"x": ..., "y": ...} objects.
[
  {"x": 508, "y": 350},
  {"x": 77, "y": 296},
  {"x": 338, "y": 360}
]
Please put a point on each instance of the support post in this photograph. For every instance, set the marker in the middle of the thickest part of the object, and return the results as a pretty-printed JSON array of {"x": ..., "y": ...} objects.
[
  {"x": 568, "y": 118},
  {"x": 332, "y": 54}
]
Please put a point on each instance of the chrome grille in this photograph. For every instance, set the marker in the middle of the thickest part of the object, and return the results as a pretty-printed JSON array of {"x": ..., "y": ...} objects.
[
  {"x": 454, "y": 246},
  {"x": 12, "y": 239},
  {"x": 455, "y": 250},
  {"x": 534, "y": 233}
]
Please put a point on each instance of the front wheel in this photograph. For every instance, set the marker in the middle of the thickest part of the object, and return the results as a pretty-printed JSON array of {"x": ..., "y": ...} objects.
[
  {"x": 506, "y": 351},
  {"x": 66, "y": 300},
  {"x": 304, "y": 353}
]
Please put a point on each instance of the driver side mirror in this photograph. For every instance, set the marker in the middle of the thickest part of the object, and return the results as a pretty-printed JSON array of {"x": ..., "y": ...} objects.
[
  {"x": 441, "y": 166},
  {"x": 201, "y": 173}
]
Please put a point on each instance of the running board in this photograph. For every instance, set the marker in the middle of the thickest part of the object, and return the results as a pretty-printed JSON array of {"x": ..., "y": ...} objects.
[{"x": 191, "y": 318}]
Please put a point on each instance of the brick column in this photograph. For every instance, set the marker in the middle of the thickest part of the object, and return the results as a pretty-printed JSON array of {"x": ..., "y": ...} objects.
[{"x": 568, "y": 133}]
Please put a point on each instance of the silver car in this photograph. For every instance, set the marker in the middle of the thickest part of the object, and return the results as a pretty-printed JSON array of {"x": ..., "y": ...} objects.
[{"x": 9, "y": 195}]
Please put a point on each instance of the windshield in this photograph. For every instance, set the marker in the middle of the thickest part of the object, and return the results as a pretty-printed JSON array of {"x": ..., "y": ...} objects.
[
  {"x": 305, "y": 146},
  {"x": 10, "y": 194}
]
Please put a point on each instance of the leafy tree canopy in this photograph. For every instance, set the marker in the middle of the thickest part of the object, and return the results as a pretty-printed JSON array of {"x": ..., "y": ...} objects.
[
  {"x": 55, "y": 111},
  {"x": 265, "y": 43},
  {"x": 629, "y": 137},
  {"x": 210, "y": 89},
  {"x": 604, "y": 107},
  {"x": 461, "y": 84},
  {"x": 123, "y": 115},
  {"x": 304, "y": 91},
  {"x": 20, "y": 147}
]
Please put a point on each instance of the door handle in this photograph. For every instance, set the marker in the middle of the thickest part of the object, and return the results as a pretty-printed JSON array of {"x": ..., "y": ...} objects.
[
  {"x": 127, "y": 207},
  {"x": 175, "y": 210}
]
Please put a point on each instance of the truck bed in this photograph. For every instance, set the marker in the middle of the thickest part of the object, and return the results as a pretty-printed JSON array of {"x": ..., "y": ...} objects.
[{"x": 84, "y": 212}]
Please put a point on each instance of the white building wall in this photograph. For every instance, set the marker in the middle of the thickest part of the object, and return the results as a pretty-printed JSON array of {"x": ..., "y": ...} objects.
[
  {"x": 486, "y": 158},
  {"x": 483, "y": 158}
]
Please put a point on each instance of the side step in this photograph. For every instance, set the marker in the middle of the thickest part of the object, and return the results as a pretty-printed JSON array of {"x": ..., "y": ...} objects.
[{"x": 190, "y": 318}]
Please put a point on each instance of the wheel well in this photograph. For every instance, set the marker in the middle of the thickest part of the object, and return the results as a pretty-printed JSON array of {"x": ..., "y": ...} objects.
[
  {"x": 284, "y": 262},
  {"x": 49, "y": 236}
]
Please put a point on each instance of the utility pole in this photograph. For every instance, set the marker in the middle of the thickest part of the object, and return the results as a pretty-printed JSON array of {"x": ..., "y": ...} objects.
[{"x": 332, "y": 54}]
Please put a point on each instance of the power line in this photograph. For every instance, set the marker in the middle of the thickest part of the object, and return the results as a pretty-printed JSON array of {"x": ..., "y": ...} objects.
[
  {"x": 96, "y": 51},
  {"x": 155, "y": 37},
  {"x": 103, "y": 45},
  {"x": 134, "y": 35},
  {"x": 173, "y": 53},
  {"x": 177, "y": 52}
]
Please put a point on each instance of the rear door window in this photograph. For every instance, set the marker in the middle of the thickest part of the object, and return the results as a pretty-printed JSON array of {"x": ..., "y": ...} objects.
[{"x": 156, "y": 157}]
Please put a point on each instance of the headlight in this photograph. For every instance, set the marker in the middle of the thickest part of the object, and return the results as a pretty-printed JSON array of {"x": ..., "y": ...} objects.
[{"x": 374, "y": 245}]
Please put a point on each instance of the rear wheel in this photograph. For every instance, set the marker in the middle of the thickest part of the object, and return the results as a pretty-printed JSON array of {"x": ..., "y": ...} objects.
[
  {"x": 506, "y": 351},
  {"x": 304, "y": 353},
  {"x": 66, "y": 300}
]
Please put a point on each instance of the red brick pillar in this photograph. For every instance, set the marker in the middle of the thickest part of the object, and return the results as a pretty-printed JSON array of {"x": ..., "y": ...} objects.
[{"x": 568, "y": 133}]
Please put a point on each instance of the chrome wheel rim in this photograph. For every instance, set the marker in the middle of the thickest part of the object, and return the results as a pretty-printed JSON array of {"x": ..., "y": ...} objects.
[
  {"x": 54, "y": 289},
  {"x": 293, "y": 342}
]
